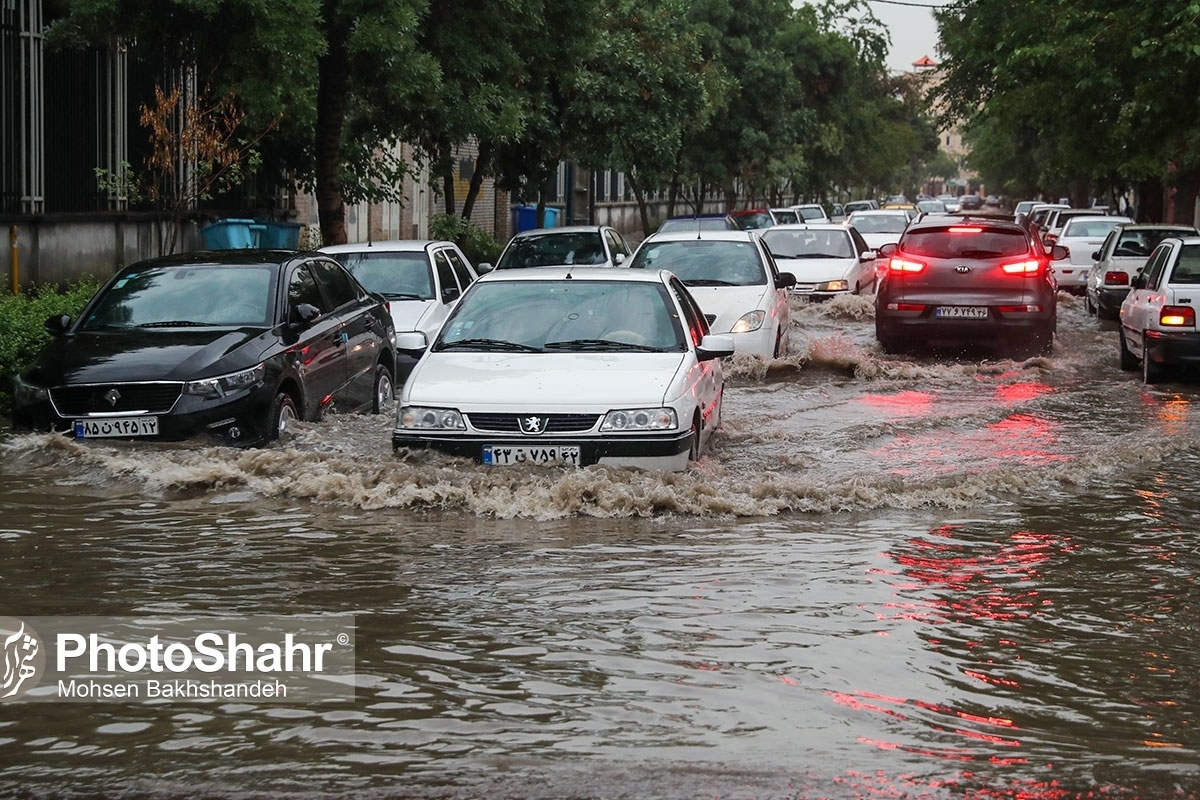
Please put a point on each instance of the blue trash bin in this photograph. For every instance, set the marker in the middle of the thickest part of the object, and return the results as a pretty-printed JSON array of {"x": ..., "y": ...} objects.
[
  {"x": 525, "y": 218},
  {"x": 230, "y": 234},
  {"x": 279, "y": 235}
]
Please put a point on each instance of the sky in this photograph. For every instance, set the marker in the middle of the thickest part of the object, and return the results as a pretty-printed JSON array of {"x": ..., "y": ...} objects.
[{"x": 912, "y": 28}]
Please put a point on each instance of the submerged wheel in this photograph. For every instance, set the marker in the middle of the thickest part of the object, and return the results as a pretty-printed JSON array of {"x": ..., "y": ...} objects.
[
  {"x": 694, "y": 453},
  {"x": 1152, "y": 371},
  {"x": 1128, "y": 359},
  {"x": 384, "y": 390},
  {"x": 280, "y": 416}
]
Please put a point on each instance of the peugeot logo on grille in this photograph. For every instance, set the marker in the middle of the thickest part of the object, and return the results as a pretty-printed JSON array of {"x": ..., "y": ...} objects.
[
  {"x": 962, "y": 268},
  {"x": 532, "y": 425},
  {"x": 112, "y": 396}
]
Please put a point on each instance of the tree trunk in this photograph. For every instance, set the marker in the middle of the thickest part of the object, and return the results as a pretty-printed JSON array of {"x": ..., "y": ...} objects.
[
  {"x": 485, "y": 155},
  {"x": 641, "y": 201},
  {"x": 332, "y": 88},
  {"x": 448, "y": 192}
]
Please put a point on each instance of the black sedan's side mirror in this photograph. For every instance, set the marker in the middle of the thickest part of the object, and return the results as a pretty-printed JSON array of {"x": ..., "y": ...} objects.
[
  {"x": 785, "y": 280},
  {"x": 58, "y": 324},
  {"x": 305, "y": 314},
  {"x": 886, "y": 250}
]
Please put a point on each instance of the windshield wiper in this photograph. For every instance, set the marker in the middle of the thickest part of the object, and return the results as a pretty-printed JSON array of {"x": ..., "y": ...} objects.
[
  {"x": 601, "y": 344},
  {"x": 404, "y": 296},
  {"x": 176, "y": 323},
  {"x": 489, "y": 344},
  {"x": 709, "y": 282}
]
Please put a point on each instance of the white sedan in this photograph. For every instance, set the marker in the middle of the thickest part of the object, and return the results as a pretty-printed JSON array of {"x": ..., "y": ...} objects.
[
  {"x": 734, "y": 279},
  {"x": 827, "y": 259},
  {"x": 420, "y": 280},
  {"x": 1158, "y": 317},
  {"x": 572, "y": 366},
  {"x": 1082, "y": 235}
]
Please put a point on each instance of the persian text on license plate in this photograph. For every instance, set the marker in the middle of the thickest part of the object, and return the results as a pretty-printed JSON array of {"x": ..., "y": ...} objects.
[
  {"x": 116, "y": 426},
  {"x": 962, "y": 312},
  {"x": 504, "y": 456}
]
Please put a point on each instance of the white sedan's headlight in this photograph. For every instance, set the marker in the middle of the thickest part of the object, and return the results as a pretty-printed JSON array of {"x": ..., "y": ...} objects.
[
  {"x": 836, "y": 286},
  {"x": 430, "y": 419},
  {"x": 750, "y": 321},
  {"x": 640, "y": 419},
  {"x": 225, "y": 385}
]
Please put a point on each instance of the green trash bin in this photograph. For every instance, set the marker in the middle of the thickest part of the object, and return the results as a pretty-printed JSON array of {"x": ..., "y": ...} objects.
[
  {"x": 279, "y": 235},
  {"x": 230, "y": 234}
]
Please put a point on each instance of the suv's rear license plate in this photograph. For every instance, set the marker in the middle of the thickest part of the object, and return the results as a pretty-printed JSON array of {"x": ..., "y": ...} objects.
[{"x": 961, "y": 312}]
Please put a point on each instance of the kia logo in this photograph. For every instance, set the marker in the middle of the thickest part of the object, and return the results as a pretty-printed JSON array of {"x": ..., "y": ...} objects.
[{"x": 962, "y": 268}]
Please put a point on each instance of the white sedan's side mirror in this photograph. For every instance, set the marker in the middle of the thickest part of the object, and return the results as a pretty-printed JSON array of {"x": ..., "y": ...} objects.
[{"x": 714, "y": 345}]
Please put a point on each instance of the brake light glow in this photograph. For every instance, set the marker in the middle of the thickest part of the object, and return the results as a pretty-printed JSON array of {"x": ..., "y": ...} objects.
[
  {"x": 1028, "y": 309},
  {"x": 965, "y": 229},
  {"x": 905, "y": 265},
  {"x": 1177, "y": 316},
  {"x": 1116, "y": 278},
  {"x": 1022, "y": 267}
]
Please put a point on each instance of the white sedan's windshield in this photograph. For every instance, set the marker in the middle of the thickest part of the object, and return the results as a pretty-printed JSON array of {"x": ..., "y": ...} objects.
[
  {"x": 704, "y": 262},
  {"x": 564, "y": 316}
]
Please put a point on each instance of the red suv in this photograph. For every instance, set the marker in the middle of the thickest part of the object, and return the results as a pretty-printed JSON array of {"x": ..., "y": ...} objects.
[{"x": 967, "y": 280}]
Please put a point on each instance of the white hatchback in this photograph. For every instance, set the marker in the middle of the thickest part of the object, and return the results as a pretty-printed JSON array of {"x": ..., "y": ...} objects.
[
  {"x": 827, "y": 259},
  {"x": 734, "y": 279},
  {"x": 573, "y": 366},
  {"x": 421, "y": 281}
]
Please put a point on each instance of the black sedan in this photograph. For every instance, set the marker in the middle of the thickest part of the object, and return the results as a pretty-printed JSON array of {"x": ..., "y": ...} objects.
[{"x": 234, "y": 343}]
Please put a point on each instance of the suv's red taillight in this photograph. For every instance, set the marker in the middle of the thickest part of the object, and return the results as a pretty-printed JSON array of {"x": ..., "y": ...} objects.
[
  {"x": 897, "y": 264},
  {"x": 1116, "y": 278},
  {"x": 1027, "y": 267},
  {"x": 1177, "y": 317}
]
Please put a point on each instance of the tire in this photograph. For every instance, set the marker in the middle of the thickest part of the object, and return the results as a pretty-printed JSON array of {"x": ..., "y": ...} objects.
[
  {"x": 1129, "y": 361},
  {"x": 780, "y": 349},
  {"x": 694, "y": 453},
  {"x": 1087, "y": 304},
  {"x": 385, "y": 390},
  {"x": 1152, "y": 371},
  {"x": 280, "y": 416}
]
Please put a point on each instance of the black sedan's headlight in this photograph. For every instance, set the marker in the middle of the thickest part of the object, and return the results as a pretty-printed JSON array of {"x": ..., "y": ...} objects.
[
  {"x": 27, "y": 394},
  {"x": 225, "y": 385}
]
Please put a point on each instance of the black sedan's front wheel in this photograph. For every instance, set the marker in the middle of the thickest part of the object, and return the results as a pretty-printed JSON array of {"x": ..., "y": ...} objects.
[
  {"x": 385, "y": 391},
  {"x": 280, "y": 416}
]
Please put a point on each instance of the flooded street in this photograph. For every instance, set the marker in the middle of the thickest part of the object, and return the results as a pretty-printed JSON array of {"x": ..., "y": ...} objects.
[{"x": 918, "y": 577}]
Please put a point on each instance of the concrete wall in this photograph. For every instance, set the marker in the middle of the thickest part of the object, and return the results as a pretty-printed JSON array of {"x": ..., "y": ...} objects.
[{"x": 62, "y": 248}]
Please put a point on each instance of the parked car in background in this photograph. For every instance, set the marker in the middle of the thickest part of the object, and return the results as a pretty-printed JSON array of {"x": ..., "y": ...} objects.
[
  {"x": 734, "y": 279},
  {"x": 1123, "y": 253},
  {"x": 572, "y": 245},
  {"x": 860, "y": 205},
  {"x": 827, "y": 259},
  {"x": 1056, "y": 218},
  {"x": 569, "y": 366},
  {"x": 811, "y": 212},
  {"x": 979, "y": 281},
  {"x": 237, "y": 344},
  {"x": 1023, "y": 208},
  {"x": 932, "y": 206},
  {"x": 950, "y": 201},
  {"x": 785, "y": 216},
  {"x": 1158, "y": 317},
  {"x": 752, "y": 218},
  {"x": 879, "y": 226},
  {"x": 699, "y": 222},
  {"x": 1082, "y": 236},
  {"x": 970, "y": 202},
  {"x": 836, "y": 212},
  {"x": 421, "y": 280}
]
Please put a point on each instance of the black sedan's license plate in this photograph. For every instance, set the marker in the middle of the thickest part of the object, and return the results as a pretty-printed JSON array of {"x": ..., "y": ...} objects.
[
  {"x": 116, "y": 426},
  {"x": 961, "y": 312}
]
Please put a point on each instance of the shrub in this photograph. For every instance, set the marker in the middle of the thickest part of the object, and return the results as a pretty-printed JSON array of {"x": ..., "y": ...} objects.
[
  {"x": 22, "y": 331},
  {"x": 477, "y": 245}
]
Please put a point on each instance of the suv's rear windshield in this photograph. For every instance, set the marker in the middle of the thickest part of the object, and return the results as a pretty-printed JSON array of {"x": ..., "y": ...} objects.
[{"x": 965, "y": 241}]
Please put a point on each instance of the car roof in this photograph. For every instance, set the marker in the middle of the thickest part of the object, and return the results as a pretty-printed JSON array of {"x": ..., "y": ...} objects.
[
  {"x": 575, "y": 274},
  {"x": 727, "y": 236},
  {"x": 1155, "y": 226},
  {"x": 248, "y": 257},
  {"x": 389, "y": 245},
  {"x": 942, "y": 220},
  {"x": 806, "y": 226},
  {"x": 1094, "y": 217},
  {"x": 875, "y": 212},
  {"x": 563, "y": 229}
]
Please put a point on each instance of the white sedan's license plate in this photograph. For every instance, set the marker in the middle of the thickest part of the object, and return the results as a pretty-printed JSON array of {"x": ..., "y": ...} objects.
[
  {"x": 116, "y": 426},
  {"x": 504, "y": 456},
  {"x": 962, "y": 312}
]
